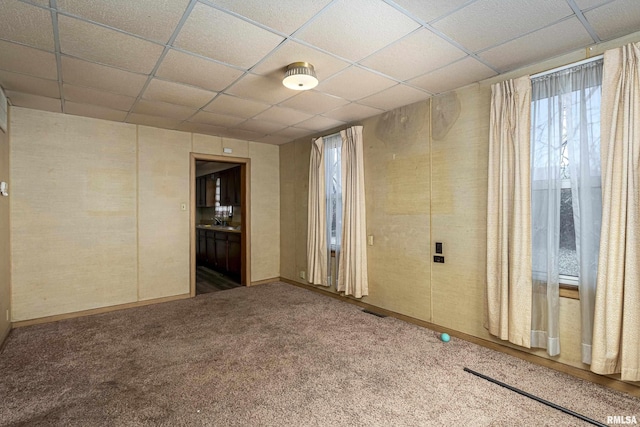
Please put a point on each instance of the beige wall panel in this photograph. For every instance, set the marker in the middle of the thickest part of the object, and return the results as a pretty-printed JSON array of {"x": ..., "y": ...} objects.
[
  {"x": 460, "y": 149},
  {"x": 397, "y": 175},
  {"x": 265, "y": 211},
  {"x": 287, "y": 212},
  {"x": 5, "y": 256},
  {"x": 163, "y": 227},
  {"x": 239, "y": 147},
  {"x": 73, "y": 211},
  {"x": 302, "y": 151},
  {"x": 207, "y": 144}
]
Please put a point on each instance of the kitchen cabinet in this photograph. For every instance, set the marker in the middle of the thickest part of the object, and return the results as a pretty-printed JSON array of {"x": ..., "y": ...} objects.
[
  {"x": 234, "y": 267},
  {"x": 205, "y": 191},
  {"x": 230, "y": 187},
  {"x": 220, "y": 251},
  {"x": 201, "y": 247},
  {"x": 210, "y": 257}
]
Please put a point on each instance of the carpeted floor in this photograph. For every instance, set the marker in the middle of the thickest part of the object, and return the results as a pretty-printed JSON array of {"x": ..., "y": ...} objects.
[{"x": 273, "y": 355}]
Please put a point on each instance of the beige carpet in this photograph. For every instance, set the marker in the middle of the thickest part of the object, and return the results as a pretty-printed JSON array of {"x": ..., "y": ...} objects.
[{"x": 273, "y": 355}]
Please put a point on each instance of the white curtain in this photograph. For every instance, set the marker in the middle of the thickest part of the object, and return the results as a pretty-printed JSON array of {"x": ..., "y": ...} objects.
[
  {"x": 352, "y": 271},
  {"x": 316, "y": 217},
  {"x": 565, "y": 147},
  {"x": 616, "y": 334},
  {"x": 333, "y": 185},
  {"x": 508, "y": 288}
]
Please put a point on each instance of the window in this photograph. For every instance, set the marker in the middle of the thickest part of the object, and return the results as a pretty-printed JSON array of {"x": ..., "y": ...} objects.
[
  {"x": 565, "y": 173},
  {"x": 333, "y": 188}
]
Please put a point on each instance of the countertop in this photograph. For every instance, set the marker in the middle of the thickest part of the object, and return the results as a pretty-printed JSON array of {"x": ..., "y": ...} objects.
[{"x": 224, "y": 228}]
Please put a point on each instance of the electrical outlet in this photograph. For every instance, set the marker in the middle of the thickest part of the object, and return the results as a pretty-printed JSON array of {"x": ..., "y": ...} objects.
[
  {"x": 370, "y": 240},
  {"x": 303, "y": 274},
  {"x": 439, "y": 259}
]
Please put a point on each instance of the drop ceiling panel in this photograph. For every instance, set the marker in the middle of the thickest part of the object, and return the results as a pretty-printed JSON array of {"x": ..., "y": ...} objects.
[
  {"x": 243, "y": 135},
  {"x": 394, "y": 97},
  {"x": 275, "y": 64},
  {"x": 274, "y": 140},
  {"x": 485, "y": 23},
  {"x": 27, "y": 60},
  {"x": 218, "y": 35},
  {"x": 313, "y": 102},
  {"x": 286, "y": 116},
  {"x": 215, "y": 119},
  {"x": 546, "y": 43},
  {"x": 320, "y": 123},
  {"x": 33, "y": 85},
  {"x": 261, "y": 126},
  {"x": 83, "y": 73},
  {"x": 453, "y": 76},
  {"x": 184, "y": 68},
  {"x": 175, "y": 93},
  {"x": 291, "y": 133},
  {"x": 355, "y": 83},
  {"x": 284, "y": 15},
  {"x": 85, "y": 95},
  {"x": 200, "y": 128},
  {"x": 428, "y": 10},
  {"x": 615, "y": 19},
  {"x": 20, "y": 99},
  {"x": 260, "y": 88},
  {"x": 99, "y": 44},
  {"x": 416, "y": 54},
  {"x": 152, "y": 19},
  {"x": 94, "y": 111},
  {"x": 26, "y": 24},
  {"x": 353, "y": 29},
  {"x": 239, "y": 107},
  {"x": 44, "y": 3},
  {"x": 587, "y": 4},
  {"x": 155, "y": 121},
  {"x": 352, "y": 112},
  {"x": 163, "y": 109}
]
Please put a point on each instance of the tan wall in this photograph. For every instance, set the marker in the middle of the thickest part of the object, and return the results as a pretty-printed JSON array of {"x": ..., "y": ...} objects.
[
  {"x": 433, "y": 191},
  {"x": 5, "y": 258},
  {"x": 97, "y": 217}
]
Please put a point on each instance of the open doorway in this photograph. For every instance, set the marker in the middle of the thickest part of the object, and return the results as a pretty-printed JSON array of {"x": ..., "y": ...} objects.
[{"x": 220, "y": 223}]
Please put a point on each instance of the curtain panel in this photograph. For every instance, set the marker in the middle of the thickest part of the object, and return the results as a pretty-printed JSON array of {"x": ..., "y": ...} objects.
[
  {"x": 616, "y": 332},
  {"x": 316, "y": 217},
  {"x": 509, "y": 290}
]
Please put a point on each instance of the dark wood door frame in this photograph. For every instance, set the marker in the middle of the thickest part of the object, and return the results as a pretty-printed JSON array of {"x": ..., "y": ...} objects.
[{"x": 245, "y": 211}]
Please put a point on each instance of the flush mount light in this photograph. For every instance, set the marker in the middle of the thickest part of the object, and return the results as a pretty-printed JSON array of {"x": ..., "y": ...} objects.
[{"x": 300, "y": 76}]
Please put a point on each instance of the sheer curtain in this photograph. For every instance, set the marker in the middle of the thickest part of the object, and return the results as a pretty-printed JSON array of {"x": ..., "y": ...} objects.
[
  {"x": 316, "y": 217},
  {"x": 616, "y": 335},
  {"x": 333, "y": 185},
  {"x": 565, "y": 145}
]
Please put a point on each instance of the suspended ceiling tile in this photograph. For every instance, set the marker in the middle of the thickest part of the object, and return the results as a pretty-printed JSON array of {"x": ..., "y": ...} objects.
[
  {"x": 534, "y": 47},
  {"x": 314, "y": 102},
  {"x": 261, "y": 126},
  {"x": 151, "y": 19},
  {"x": 284, "y": 15},
  {"x": 615, "y": 19},
  {"x": 486, "y": 23},
  {"x": 292, "y": 133},
  {"x": 184, "y": 68},
  {"x": 274, "y": 140},
  {"x": 155, "y": 121},
  {"x": 416, "y": 54},
  {"x": 239, "y": 107},
  {"x": 99, "y": 44},
  {"x": 44, "y": 3},
  {"x": 163, "y": 109},
  {"x": 353, "y": 29},
  {"x": 175, "y": 93},
  {"x": 200, "y": 128},
  {"x": 218, "y": 35},
  {"x": 27, "y": 60},
  {"x": 355, "y": 83},
  {"x": 275, "y": 64},
  {"x": 286, "y": 116},
  {"x": 453, "y": 76},
  {"x": 243, "y": 135},
  {"x": 33, "y": 85},
  {"x": 587, "y": 4},
  {"x": 95, "y": 111},
  {"x": 83, "y": 73},
  {"x": 215, "y": 119},
  {"x": 20, "y": 99},
  {"x": 26, "y": 24},
  {"x": 85, "y": 95},
  {"x": 319, "y": 123},
  {"x": 394, "y": 97},
  {"x": 260, "y": 88},
  {"x": 352, "y": 112},
  {"x": 428, "y": 10}
]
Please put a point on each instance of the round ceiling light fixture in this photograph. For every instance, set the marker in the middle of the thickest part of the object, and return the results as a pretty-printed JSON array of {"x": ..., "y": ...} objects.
[{"x": 300, "y": 76}]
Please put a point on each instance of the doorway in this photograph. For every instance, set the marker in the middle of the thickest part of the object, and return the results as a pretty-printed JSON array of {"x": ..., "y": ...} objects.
[{"x": 220, "y": 223}]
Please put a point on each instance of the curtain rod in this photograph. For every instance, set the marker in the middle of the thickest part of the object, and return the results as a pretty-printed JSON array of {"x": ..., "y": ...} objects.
[{"x": 564, "y": 67}]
